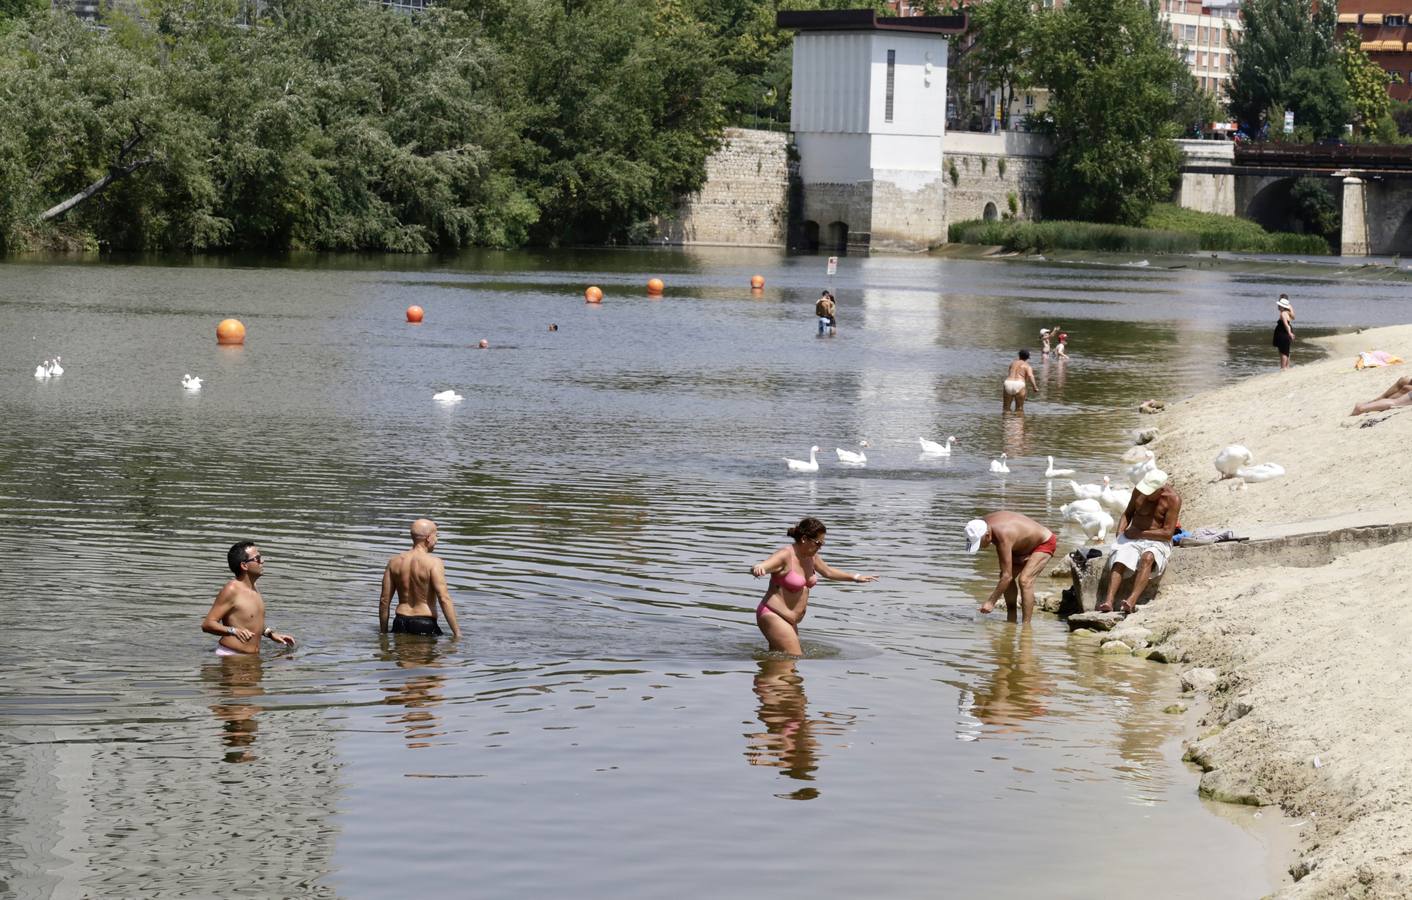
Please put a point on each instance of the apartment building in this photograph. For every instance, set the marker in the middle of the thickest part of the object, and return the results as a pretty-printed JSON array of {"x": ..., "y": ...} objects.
[
  {"x": 1203, "y": 30},
  {"x": 1382, "y": 28}
]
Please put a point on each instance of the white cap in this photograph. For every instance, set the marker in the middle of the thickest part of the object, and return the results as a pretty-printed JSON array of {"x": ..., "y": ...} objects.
[
  {"x": 976, "y": 530},
  {"x": 1150, "y": 482}
]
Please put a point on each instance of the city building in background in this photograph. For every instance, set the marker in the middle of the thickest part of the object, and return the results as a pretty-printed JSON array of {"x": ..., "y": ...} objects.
[{"x": 1383, "y": 34}]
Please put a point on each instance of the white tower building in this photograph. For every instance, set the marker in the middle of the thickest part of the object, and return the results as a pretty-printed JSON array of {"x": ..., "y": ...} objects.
[{"x": 868, "y": 114}]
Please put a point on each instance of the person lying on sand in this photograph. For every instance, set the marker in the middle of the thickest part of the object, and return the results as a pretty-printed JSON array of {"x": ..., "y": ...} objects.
[{"x": 1400, "y": 394}]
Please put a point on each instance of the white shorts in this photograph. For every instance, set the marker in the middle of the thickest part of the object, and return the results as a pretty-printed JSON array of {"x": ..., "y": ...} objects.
[
  {"x": 1014, "y": 385},
  {"x": 1129, "y": 553}
]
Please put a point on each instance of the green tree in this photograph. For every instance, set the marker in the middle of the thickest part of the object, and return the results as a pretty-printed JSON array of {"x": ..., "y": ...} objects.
[
  {"x": 1367, "y": 83},
  {"x": 1277, "y": 39},
  {"x": 1114, "y": 103},
  {"x": 1316, "y": 208},
  {"x": 999, "y": 58},
  {"x": 1319, "y": 98}
]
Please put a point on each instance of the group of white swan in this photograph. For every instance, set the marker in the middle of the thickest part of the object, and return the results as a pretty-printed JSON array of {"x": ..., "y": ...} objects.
[
  {"x": 1236, "y": 461},
  {"x": 858, "y": 458},
  {"x": 191, "y": 382},
  {"x": 48, "y": 369}
]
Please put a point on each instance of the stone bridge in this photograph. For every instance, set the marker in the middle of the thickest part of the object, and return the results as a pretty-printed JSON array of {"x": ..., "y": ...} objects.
[{"x": 1372, "y": 184}]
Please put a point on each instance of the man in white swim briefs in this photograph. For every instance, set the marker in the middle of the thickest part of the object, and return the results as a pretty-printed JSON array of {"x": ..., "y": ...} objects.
[
  {"x": 1016, "y": 378},
  {"x": 1144, "y": 538},
  {"x": 238, "y": 613}
]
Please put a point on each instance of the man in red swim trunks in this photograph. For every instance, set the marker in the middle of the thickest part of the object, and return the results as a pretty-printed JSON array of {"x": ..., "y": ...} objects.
[{"x": 1023, "y": 546}]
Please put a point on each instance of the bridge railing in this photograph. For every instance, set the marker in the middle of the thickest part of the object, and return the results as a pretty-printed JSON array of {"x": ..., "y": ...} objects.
[{"x": 1321, "y": 156}]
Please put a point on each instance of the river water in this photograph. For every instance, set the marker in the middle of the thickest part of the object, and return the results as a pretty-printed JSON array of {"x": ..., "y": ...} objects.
[{"x": 610, "y": 726}]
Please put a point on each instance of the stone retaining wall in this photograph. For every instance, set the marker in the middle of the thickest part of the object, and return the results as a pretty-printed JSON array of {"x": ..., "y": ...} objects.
[
  {"x": 985, "y": 172},
  {"x": 745, "y": 201}
]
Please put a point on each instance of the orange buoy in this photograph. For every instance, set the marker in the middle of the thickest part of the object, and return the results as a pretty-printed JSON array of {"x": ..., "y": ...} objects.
[
  {"x": 757, "y": 281},
  {"x": 594, "y": 294},
  {"x": 655, "y": 287},
  {"x": 230, "y": 331},
  {"x": 414, "y": 314},
  {"x": 484, "y": 343}
]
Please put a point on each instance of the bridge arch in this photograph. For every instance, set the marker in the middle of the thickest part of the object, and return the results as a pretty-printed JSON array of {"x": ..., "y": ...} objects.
[
  {"x": 991, "y": 213},
  {"x": 809, "y": 236},
  {"x": 1272, "y": 206},
  {"x": 837, "y": 236}
]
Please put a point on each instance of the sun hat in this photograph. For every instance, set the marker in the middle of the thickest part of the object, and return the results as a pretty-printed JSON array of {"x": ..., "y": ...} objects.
[
  {"x": 975, "y": 533},
  {"x": 1282, "y": 303},
  {"x": 1150, "y": 482}
]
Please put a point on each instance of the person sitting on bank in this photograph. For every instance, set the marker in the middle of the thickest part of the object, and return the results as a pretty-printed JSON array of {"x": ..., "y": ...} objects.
[
  {"x": 1023, "y": 546},
  {"x": 1400, "y": 394},
  {"x": 417, "y": 578},
  {"x": 238, "y": 613},
  {"x": 1144, "y": 538},
  {"x": 824, "y": 308}
]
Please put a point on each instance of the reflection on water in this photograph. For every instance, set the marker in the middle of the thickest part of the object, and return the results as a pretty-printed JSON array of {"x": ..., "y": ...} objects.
[
  {"x": 790, "y": 741},
  {"x": 238, "y": 680},
  {"x": 1017, "y": 690},
  {"x": 419, "y": 692},
  {"x": 601, "y": 492}
]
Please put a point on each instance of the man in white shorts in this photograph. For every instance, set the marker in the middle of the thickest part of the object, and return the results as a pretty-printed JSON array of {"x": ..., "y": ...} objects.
[
  {"x": 1016, "y": 378},
  {"x": 1144, "y": 538}
]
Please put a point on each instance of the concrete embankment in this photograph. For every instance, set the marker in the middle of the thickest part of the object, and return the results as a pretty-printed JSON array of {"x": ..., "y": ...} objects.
[{"x": 1304, "y": 631}]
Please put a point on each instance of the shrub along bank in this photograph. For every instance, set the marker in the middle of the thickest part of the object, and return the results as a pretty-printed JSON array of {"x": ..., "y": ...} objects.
[{"x": 1166, "y": 229}]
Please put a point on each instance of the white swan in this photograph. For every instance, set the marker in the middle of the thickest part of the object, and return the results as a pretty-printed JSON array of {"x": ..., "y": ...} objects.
[
  {"x": 447, "y": 397},
  {"x": 1142, "y": 467},
  {"x": 1115, "y": 500},
  {"x": 41, "y": 371},
  {"x": 1095, "y": 524},
  {"x": 1052, "y": 472},
  {"x": 1261, "y": 472},
  {"x": 799, "y": 465},
  {"x": 932, "y": 448},
  {"x": 1088, "y": 491},
  {"x": 55, "y": 368},
  {"x": 1069, "y": 511},
  {"x": 1231, "y": 459},
  {"x": 999, "y": 466},
  {"x": 1137, "y": 455},
  {"x": 848, "y": 456},
  {"x": 191, "y": 382}
]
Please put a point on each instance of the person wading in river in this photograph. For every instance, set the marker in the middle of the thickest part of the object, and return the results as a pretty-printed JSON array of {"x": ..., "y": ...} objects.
[
  {"x": 1023, "y": 546},
  {"x": 238, "y": 613},
  {"x": 417, "y": 578}
]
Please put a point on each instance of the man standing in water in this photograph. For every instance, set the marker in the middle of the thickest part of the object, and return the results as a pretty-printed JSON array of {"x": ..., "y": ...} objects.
[
  {"x": 1144, "y": 538},
  {"x": 238, "y": 613},
  {"x": 417, "y": 578},
  {"x": 1016, "y": 378},
  {"x": 1023, "y": 546},
  {"x": 825, "y": 308}
]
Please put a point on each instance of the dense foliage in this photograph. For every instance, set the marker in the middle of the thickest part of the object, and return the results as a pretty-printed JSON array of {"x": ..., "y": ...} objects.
[
  {"x": 1284, "y": 55},
  {"x": 337, "y": 124},
  {"x": 1117, "y": 90}
]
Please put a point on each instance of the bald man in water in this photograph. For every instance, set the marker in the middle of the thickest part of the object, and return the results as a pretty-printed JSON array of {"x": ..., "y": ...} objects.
[{"x": 417, "y": 578}]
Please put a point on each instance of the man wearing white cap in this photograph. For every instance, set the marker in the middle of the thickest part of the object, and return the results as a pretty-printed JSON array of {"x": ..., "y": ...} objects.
[
  {"x": 1023, "y": 546},
  {"x": 1144, "y": 538}
]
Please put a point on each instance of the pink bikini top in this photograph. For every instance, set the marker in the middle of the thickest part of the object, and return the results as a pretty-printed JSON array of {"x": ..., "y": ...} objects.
[{"x": 792, "y": 581}]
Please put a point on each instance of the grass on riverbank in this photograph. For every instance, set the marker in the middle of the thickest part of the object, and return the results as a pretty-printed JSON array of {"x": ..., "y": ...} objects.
[{"x": 1167, "y": 229}]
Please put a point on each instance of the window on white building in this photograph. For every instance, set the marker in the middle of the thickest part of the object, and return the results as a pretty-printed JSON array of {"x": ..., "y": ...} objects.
[
  {"x": 1191, "y": 33},
  {"x": 891, "y": 81}
]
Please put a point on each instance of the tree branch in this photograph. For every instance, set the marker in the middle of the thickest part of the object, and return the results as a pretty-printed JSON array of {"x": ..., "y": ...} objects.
[{"x": 114, "y": 173}]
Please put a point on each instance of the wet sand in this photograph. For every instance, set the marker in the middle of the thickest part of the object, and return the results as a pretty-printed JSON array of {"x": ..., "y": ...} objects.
[{"x": 1307, "y": 624}]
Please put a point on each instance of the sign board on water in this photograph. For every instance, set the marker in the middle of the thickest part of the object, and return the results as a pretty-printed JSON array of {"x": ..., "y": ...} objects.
[
  {"x": 833, "y": 266},
  {"x": 1289, "y": 121}
]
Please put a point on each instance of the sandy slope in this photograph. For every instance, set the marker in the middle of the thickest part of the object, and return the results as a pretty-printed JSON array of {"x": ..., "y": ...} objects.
[{"x": 1316, "y": 644}]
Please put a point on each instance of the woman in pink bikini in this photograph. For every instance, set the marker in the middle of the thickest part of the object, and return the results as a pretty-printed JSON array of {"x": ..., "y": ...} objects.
[{"x": 793, "y": 570}]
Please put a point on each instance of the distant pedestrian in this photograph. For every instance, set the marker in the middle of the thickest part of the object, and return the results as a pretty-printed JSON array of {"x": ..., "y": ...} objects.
[
  {"x": 824, "y": 308},
  {"x": 1284, "y": 329},
  {"x": 1060, "y": 350}
]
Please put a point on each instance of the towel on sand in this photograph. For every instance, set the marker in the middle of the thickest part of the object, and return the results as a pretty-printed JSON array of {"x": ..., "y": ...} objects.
[{"x": 1372, "y": 358}]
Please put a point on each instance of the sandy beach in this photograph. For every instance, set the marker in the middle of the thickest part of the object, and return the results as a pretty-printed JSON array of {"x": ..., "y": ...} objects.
[{"x": 1306, "y": 626}]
